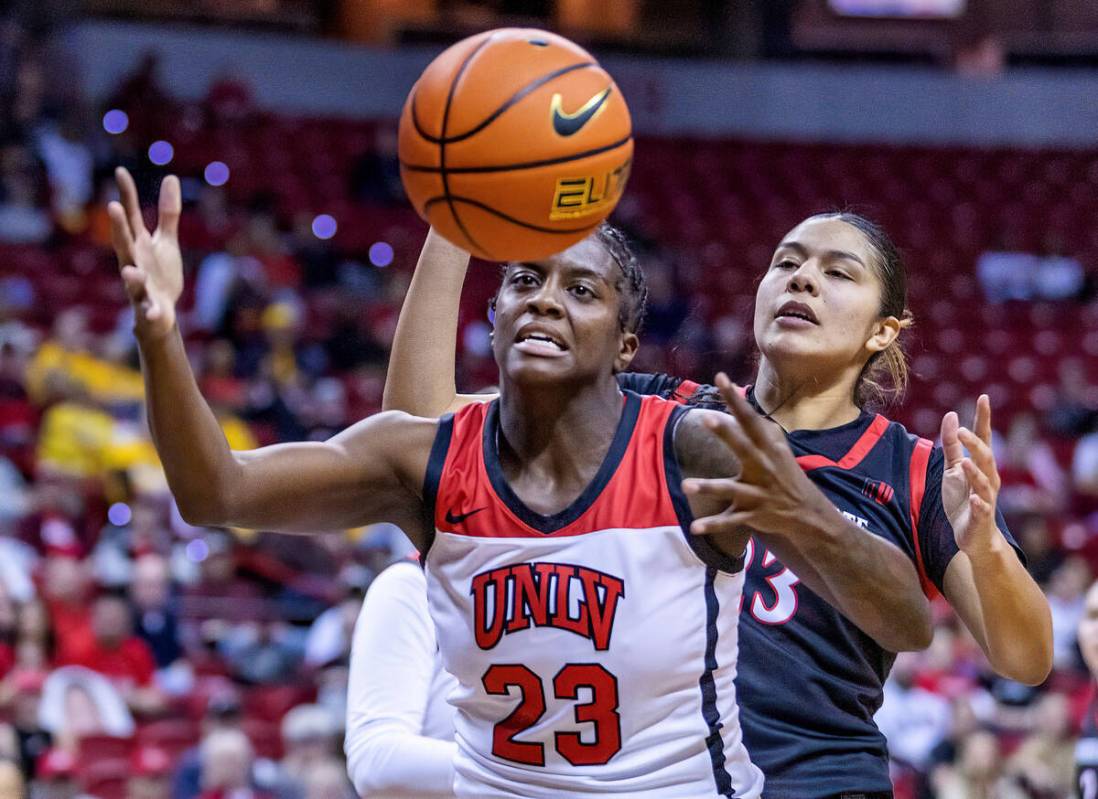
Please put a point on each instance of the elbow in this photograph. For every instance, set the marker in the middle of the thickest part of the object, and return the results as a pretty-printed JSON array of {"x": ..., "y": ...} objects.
[
  {"x": 1031, "y": 666},
  {"x": 913, "y": 638},
  {"x": 202, "y": 511}
]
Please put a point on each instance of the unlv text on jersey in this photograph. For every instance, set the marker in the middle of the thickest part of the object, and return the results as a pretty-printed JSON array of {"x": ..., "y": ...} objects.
[{"x": 514, "y": 598}]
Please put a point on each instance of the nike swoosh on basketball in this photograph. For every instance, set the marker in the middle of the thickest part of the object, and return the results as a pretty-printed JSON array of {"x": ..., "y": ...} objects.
[
  {"x": 458, "y": 518},
  {"x": 569, "y": 124}
]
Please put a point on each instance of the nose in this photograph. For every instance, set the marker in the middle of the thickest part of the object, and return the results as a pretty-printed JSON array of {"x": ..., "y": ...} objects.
[
  {"x": 545, "y": 301},
  {"x": 804, "y": 279}
]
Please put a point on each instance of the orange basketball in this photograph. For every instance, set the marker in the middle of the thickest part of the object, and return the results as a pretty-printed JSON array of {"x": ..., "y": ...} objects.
[{"x": 515, "y": 144}]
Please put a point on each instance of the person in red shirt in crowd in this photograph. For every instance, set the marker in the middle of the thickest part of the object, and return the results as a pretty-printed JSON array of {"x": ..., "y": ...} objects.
[
  {"x": 65, "y": 589},
  {"x": 120, "y": 655}
]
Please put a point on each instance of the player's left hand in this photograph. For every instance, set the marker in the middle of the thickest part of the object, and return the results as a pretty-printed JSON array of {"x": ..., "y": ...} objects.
[
  {"x": 771, "y": 494},
  {"x": 970, "y": 483}
]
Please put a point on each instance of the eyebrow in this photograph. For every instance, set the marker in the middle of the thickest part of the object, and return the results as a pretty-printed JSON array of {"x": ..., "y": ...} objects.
[
  {"x": 573, "y": 270},
  {"x": 830, "y": 255}
]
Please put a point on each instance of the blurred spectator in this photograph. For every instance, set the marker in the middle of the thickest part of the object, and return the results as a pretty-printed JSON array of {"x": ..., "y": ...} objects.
[
  {"x": 12, "y": 785},
  {"x": 1066, "y": 589},
  {"x": 261, "y": 652},
  {"x": 375, "y": 177},
  {"x": 157, "y": 623},
  {"x": 1032, "y": 480},
  {"x": 227, "y": 759},
  {"x": 120, "y": 655},
  {"x": 22, "y": 219},
  {"x": 327, "y": 780},
  {"x": 150, "y": 774},
  {"x": 329, "y": 638},
  {"x": 56, "y": 777},
  {"x": 63, "y": 148},
  {"x": 1044, "y": 763},
  {"x": 1084, "y": 466},
  {"x": 78, "y": 702},
  {"x": 913, "y": 719},
  {"x": 310, "y": 738},
  {"x": 1075, "y": 410},
  {"x": 978, "y": 772},
  {"x": 23, "y": 692},
  {"x": 66, "y": 591}
]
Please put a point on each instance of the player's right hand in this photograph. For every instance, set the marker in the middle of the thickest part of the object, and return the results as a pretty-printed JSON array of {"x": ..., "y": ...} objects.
[{"x": 151, "y": 264}]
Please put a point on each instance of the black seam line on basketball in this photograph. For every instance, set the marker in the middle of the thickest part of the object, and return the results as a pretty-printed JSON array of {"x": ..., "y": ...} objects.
[
  {"x": 469, "y": 170},
  {"x": 442, "y": 144},
  {"x": 453, "y": 198},
  {"x": 510, "y": 101}
]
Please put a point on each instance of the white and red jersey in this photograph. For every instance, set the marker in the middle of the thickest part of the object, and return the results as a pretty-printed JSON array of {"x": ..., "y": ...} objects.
[{"x": 594, "y": 649}]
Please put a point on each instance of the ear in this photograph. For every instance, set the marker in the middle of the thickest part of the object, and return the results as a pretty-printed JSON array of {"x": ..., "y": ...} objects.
[
  {"x": 627, "y": 350},
  {"x": 883, "y": 333}
]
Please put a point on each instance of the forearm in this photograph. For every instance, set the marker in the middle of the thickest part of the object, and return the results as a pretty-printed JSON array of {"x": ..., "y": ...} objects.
[
  {"x": 387, "y": 760},
  {"x": 196, "y": 458},
  {"x": 868, "y": 579},
  {"x": 420, "y": 379},
  {"x": 1016, "y": 620}
]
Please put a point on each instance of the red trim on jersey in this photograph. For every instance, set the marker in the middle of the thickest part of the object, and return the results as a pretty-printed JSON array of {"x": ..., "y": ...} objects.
[
  {"x": 686, "y": 390},
  {"x": 636, "y": 496},
  {"x": 855, "y": 455},
  {"x": 920, "y": 459}
]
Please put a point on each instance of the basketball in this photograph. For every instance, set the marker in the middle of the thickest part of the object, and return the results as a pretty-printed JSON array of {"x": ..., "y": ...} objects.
[{"x": 514, "y": 144}]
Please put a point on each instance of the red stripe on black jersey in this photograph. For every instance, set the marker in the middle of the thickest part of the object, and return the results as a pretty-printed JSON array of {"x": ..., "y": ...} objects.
[
  {"x": 856, "y": 453},
  {"x": 635, "y": 497},
  {"x": 920, "y": 458}
]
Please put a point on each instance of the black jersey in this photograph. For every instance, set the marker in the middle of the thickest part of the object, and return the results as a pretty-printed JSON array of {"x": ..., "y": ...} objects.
[{"x": 809, "y": 680}]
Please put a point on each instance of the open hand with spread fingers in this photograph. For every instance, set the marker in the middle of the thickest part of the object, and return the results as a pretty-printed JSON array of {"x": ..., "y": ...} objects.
[
  {"x": 970, "y": 483},
  {"x": 771, "y": 493},
  {"x": 151, "y": 263}
]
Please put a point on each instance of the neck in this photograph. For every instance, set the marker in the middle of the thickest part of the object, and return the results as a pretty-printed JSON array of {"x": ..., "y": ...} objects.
[
  {"x": 807, "y": 402},
  {"x": 560, "y": 429}
]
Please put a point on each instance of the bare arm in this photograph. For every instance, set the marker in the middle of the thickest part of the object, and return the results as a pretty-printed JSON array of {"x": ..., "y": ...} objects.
[
  {"x": 420, "y": 379},
  {"x": 985, "y": 582},
  {"x": 370, "y": 472},
  {"x": 762, "y": 489}
]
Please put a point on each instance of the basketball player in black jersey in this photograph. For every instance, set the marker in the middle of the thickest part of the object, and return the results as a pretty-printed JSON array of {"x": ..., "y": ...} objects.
[
  {"x": 829, "y": 313},
  {"x": 1086, "y": 749}
]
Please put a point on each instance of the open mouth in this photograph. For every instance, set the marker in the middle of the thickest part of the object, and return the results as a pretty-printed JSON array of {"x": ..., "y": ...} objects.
[
  {"x": 539, "y": 341},
  {"x": 797, "y": 310}
]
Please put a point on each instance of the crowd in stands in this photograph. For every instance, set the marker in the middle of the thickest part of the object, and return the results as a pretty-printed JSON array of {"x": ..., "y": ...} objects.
[{"x": 144, "y": 657}]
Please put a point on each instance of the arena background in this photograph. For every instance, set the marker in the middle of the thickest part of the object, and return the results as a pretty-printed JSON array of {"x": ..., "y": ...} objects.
[{"x": 970, "y": 130}]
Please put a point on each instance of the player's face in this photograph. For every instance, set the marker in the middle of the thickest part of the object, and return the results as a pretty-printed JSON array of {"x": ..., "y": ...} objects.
[
  {"x": 1088, "y": 630},
  {"x": 820, "y": 299},
  {"x": 558, "y": 319}
]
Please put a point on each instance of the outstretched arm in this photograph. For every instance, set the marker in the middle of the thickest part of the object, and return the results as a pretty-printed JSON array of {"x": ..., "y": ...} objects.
[
  {"x": 985, "y": 581},
  {"x": 420, "y": 379},
  {"x": 370, "y": 472},
  {"x": 393, "y": 666},
  {"x": 870, "y": 580}
]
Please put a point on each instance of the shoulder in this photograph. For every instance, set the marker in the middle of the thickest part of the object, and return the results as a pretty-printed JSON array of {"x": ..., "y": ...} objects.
[
  {"x": 402, "y": 578},
  {"x": 698, "y": 450},
  {"x": 661, "y": 385},
  {"x": 403, "y": 440}
]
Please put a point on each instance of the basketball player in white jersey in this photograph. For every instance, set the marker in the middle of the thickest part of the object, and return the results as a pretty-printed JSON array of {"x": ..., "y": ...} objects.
[
  {"x": 578, "y": 614},
  {"x": 400, "y": 730}
]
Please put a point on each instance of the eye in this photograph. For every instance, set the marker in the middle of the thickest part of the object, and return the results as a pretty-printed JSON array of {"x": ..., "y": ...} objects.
[
  {"x": 838, "y": 273},
  {"x": 581, "y": 290},
  {"x": 786, "y": 263},
  {"x": 525, "y": 279}
]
